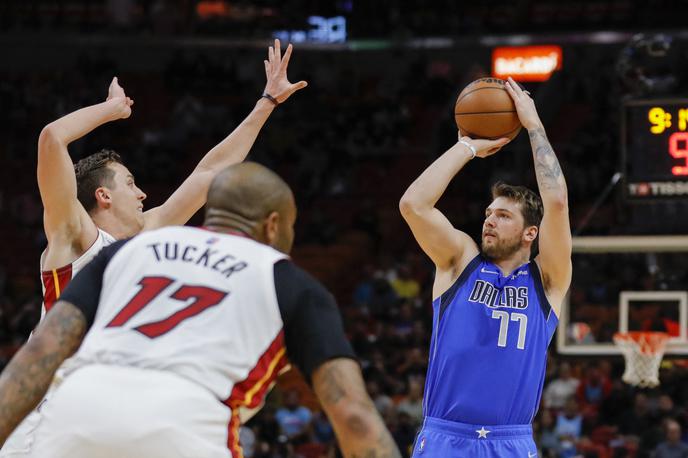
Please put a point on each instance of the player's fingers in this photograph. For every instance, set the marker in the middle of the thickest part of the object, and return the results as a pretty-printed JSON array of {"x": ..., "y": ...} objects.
[
  {"x": 287, "y": 56},
  {"x": 278, "y": 51},
  {"x": 299, "y": 85},
  {"x": 271, "y": 54},
  {"x": 510, "y": 90},
  {"x": 517, "y": 89},
  {"x": 267, "y": 69}
]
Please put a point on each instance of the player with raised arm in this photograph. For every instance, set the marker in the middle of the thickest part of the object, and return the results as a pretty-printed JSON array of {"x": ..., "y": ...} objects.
[
  {"x": 90, "y": 204},
  {"x": 187, "y": 330},
  {"x": 494, "y": 309},
  {"x": 96, "y": 201}
]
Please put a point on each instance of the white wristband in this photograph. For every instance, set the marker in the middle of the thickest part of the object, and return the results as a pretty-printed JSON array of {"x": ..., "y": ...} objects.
[{"x": 471, "y": 147}]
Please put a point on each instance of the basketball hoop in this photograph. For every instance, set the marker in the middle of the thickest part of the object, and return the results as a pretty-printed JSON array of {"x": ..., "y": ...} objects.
[{"x": 643, "y": 352}]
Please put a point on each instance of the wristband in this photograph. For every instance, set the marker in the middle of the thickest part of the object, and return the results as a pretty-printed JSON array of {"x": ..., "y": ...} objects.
[
  {"x": 471, "y": 147},
  {"x": 270, "y": 98}
]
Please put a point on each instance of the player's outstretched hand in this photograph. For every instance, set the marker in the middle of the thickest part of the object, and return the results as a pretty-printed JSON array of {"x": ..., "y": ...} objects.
[
  {"x": 278, "y": 85},
  {"x": 124, "y": 103},
  {"x": 525, "y": 107},
  {"x": 484, "y": 148}
]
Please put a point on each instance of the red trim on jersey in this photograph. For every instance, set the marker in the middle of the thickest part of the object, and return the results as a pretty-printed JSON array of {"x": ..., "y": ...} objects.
[
  {"x": 252, "y": 390},
  {"x": 54, "y": 282},
  {"x": 233, "y": 435}
]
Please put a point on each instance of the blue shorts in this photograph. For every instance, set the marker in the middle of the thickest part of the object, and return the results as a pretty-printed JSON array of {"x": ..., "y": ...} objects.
[{"x": 448, "y": 439}]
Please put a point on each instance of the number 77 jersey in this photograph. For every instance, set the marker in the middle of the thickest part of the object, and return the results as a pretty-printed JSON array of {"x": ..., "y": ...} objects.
[{"x": 489, "y": 346}]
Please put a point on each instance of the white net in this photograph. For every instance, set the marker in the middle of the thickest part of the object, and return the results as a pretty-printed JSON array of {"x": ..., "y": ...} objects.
[{"x": 643, "y": 352}]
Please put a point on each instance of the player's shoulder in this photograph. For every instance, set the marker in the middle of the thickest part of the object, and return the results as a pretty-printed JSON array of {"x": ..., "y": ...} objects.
[{"x": 288, "y": 273}]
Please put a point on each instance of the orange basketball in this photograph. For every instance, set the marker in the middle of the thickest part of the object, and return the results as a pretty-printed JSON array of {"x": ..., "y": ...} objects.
[{"x": 484, "y": 109}]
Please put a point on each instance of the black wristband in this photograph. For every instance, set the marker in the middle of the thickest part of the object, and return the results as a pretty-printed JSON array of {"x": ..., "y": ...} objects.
[{"x": 270, "y": 98}]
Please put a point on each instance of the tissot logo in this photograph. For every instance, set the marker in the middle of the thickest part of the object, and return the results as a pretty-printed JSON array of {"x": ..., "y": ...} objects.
[{"x": 658, "y": 188}]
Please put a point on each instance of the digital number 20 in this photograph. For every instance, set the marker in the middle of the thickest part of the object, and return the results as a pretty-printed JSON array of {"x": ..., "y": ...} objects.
[
  {"x": 504, "y": 318},
  {"x": 151, "y": 287}
]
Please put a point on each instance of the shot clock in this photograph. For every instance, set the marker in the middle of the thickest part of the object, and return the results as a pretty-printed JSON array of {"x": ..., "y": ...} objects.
[{"x": 654, "y": 136}]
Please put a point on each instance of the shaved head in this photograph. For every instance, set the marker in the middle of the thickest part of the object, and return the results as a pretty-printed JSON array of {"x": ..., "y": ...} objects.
[{"x": 249, "y": 196}]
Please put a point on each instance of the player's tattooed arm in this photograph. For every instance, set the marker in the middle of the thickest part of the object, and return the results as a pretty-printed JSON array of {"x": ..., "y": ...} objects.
[
  {"x": 27, "y": 377},
  {"x": 555, "y": 241},
  {"x": 547, "y": 169},
  {"x": 360, "y": 430}
]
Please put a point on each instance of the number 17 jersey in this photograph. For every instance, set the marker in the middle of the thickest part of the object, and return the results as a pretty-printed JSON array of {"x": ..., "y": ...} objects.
[{"x": 488, "y": 352}]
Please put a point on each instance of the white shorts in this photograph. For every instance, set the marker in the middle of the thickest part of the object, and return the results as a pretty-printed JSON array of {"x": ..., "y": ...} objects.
[
  {"x": 116, "y": 412},
  {"x": 20, "y": 442}
]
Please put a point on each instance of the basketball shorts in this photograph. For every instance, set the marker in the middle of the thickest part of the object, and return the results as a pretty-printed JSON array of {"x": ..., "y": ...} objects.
[
  {"x": 114, "y": 412},
  {"x": 447, "y": 439}
]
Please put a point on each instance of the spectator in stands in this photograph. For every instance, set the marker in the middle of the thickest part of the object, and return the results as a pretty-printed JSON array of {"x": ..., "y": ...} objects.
[
  {"x": 405, "y": 285},
  {"x": 592, "y": 391},
  {"x": 412, "y": 404},
  {"x": 548, "y": 439},
  {"x": 415, "y": 363},
  {"x": 323, "y": 432},
  {"x": 294, "y": 419},
  {"x": 403, "y": 326},
  {"x": 561, "y": 388},
  {"x": 672, "y": 447},
  {"x": 569, "y": 428},
  {"x": 636, "y": 420},
  {"x": 363, "y": 292},
  {"x": 247, "y": 438},
  {"x": 666, "y": 408},
  {"x": 383, "y": 296},
  {"x": 267, "y": 430},
  {"x": 383, "y": 403},
  {"x": 403, "y": 430}
]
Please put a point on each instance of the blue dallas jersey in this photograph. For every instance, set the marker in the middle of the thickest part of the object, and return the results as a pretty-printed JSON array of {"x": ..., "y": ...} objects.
[{"x": 489, "y": 346}]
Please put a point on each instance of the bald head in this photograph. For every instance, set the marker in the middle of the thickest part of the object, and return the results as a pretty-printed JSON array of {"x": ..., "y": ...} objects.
[{"x": 245, "y": 196}]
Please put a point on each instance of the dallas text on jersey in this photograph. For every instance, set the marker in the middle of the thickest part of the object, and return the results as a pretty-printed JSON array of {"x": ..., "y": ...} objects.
[{"x": 510, "y": 297}]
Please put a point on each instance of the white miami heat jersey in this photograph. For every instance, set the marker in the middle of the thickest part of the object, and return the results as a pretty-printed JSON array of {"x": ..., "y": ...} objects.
[
  {"x": 220, "y": 310},
  {"x": 190, "y": 301},
  {"x": 54, "y": 281},
  {"x": 196, "y": 303}
]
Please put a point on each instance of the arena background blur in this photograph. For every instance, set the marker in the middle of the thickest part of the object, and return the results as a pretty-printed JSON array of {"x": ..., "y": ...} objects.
[{"x": 383, "y": 80}]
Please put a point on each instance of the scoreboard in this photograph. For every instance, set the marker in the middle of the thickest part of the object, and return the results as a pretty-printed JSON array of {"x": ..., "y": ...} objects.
[{"x": 654, "y": 136}]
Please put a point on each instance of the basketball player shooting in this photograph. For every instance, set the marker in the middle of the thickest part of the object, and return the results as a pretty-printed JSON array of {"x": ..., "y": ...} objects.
[
  {"x": 494, "y": 309},
  {"x": 90, "y": 204},
  {"x": 187, "y": 330}
]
